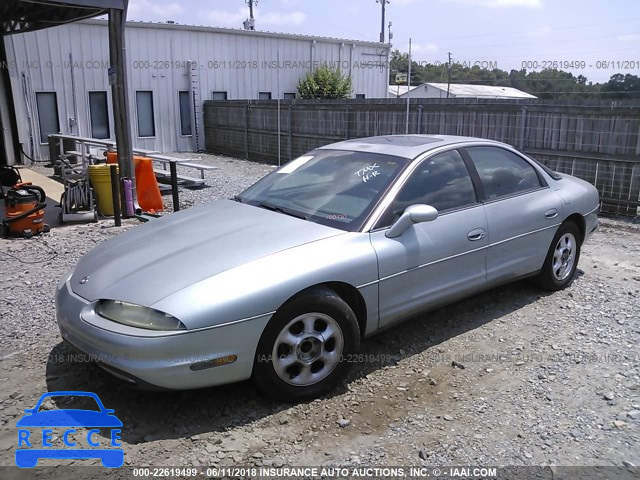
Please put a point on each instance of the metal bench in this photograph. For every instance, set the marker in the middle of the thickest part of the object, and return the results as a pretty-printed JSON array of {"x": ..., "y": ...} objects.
[
  {"x": 198, "y": 166},
  {"x": 164, "y": 160},
  {"x": 187, "y": 181}
]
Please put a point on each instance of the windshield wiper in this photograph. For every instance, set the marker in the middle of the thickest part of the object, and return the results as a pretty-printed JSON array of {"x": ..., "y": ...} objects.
[
  {"x": 286, "y": 211},
  {"x": 237, "y": 198}
]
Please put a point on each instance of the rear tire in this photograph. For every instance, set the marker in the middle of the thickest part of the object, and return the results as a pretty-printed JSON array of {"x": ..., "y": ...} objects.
[
  {"x": 560, "y": 266},
  {"x": 303, "y": 350}
]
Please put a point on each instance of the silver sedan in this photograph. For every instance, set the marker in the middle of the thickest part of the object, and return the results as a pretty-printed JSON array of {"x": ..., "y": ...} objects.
[{"x": 281, "y": 283}]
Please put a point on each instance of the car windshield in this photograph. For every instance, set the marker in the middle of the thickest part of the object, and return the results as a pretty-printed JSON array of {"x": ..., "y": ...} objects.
[{"x": 331, "y": 187}]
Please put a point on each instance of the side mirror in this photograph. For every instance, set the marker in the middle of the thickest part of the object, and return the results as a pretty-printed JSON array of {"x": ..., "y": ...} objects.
[{"x": 413, "y": 214}]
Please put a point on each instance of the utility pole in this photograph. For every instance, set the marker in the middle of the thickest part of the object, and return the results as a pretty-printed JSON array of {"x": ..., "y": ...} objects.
[
  {"x": 449, "y": 75},
  {"x": 250, "y": 23},
  {"x": 383, "y": 3}
]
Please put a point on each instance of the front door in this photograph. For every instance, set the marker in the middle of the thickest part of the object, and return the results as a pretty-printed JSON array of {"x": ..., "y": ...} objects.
[{"x": 435, "y": 262}]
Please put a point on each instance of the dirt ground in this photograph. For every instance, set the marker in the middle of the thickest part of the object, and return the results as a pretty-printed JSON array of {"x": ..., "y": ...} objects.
[{"x": 514, "y": 376}]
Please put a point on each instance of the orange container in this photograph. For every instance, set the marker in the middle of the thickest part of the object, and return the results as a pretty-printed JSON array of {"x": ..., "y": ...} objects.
[
  {"x": 148, "y": 192},
  {"x": 149, "y": 196},
  {"x": 19, "y": 200},
  {"x": 112, "y": 157}
]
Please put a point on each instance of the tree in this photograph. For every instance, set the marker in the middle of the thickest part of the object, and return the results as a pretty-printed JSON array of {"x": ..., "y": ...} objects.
[
  {"x": 399, "y": 63},
  {"x": 325, "y": 82},
  {"x": 622, "y": 86},
  {"x": 546, "y": 84}
]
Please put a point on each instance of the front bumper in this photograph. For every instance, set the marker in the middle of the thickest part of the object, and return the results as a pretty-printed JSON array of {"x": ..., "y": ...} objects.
[
  {"x": 161, "y": 361},
  {"x": 591, "y": 223}
]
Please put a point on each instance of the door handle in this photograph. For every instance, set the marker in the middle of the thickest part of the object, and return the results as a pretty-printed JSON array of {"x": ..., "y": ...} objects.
[
  {"x": 476, "y": 234},
  {"x": 553, "y": 213}
]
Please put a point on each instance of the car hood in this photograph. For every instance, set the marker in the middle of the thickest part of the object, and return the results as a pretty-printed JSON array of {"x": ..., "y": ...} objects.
[{"x": 163, "y": 256}]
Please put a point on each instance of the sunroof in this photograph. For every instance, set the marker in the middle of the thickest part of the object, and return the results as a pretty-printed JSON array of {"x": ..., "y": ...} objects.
[{"x": 404, "y": 140}]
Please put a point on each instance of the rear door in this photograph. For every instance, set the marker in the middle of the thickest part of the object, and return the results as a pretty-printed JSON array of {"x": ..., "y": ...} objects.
[
  {"x": 523, "y": 213},
  {"x": 431, "y": 263}
]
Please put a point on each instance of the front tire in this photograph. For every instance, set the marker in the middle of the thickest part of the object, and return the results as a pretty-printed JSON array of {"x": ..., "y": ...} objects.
[
  {"x": 560, "y": 265},
  {"x": 302, "y": 350}
]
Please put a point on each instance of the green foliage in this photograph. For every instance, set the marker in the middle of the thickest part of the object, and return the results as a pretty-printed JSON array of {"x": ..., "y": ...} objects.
[
  {"x": 325, "y": 82},
  {"x": 622, "y": 86},
  {"x": 546, "y": 84}
]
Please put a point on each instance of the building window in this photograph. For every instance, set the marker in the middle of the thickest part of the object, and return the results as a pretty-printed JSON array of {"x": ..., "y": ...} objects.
[
  {"x": 264, "y": 95},
  {"x": 219, "y": 96},
  {"x": 99, "y": 115},
  {"x": 146, "y": 119},
  {"x": 289, "y": 96},
  {"x": 185, "y": 112},
  {"x": 47, "y": 103},
  {"x": 360, "y": 95}
]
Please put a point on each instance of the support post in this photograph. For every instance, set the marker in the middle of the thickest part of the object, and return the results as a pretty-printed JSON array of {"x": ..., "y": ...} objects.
[
  {"x": 408, "y": 90},
  {"x": 290, "y": 132},
  {"x": 174, "y": 186},
  {"x": 115, "y": 193},
  {"x": 118, "y": 82}
]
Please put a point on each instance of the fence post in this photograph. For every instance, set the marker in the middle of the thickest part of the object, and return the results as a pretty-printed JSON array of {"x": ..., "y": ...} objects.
[
  {"x": 246, "y": 131},
  {"x": 523, "y": 124},
  {"x": 347, "y": 123}
]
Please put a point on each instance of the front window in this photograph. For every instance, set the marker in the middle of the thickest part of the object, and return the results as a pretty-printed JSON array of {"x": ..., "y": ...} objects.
[
  {"x": 441, "y": 181},
  {"x": 332, "y": 187}
]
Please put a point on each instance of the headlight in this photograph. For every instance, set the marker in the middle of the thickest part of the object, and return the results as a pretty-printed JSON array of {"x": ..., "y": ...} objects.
[{"x": 137, "y": 316}]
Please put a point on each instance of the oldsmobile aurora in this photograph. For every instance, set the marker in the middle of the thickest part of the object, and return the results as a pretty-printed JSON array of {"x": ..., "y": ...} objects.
[{"x": 283, "y": 281}]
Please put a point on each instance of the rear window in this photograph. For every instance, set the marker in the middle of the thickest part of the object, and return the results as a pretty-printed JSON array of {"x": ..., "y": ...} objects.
[{"x": 502, "y": 172}]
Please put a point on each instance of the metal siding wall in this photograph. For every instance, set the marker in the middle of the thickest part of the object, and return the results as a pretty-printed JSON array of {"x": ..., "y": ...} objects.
[{"x": 88, "y": 42}]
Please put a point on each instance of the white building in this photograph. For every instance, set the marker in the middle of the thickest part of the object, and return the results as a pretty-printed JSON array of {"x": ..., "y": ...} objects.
[
  {"x": 456, "y": 90},
  {"x": 59, "y": 77}
]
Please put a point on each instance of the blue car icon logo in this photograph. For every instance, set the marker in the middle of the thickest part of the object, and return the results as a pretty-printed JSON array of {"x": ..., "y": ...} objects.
[{"x": 32, "y": 447}]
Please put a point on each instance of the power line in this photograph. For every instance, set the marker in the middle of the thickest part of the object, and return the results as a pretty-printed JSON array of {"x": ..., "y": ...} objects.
[
  {"x": 555, "y": 55},
  {"x": 540, "y": 43},
  {"x": 520, "y": 32},
  {"x": 506, "y": 79}
]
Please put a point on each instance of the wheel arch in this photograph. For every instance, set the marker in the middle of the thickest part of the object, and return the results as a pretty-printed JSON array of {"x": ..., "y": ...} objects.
[
  {"x": 348, "y": 293},
  {"x": 580, "y": 223}
]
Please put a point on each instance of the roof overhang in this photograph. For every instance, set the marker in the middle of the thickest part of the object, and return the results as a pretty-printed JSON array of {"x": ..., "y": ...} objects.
[{"x": 17, "y": 16}]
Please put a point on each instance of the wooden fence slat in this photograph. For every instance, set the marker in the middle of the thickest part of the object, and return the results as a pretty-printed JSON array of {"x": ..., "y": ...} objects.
[{"x": 599, "y": 142}]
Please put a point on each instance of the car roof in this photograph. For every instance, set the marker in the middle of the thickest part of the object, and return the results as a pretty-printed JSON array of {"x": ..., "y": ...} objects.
[{"x": 408, "y": 146}]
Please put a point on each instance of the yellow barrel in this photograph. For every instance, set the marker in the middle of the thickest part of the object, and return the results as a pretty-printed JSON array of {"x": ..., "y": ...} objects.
[{"x": 100, "y": 178}]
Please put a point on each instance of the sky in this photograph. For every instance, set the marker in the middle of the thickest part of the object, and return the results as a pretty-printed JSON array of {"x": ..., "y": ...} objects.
[{"x": 600, "y": 37}]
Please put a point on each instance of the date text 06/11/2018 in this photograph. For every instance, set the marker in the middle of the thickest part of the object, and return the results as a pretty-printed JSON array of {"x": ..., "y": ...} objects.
[{"x": 581, "y": 64}]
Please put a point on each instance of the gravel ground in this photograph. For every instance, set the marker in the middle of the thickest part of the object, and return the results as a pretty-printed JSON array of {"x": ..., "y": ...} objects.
[{"x": 513, "y": 376}]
